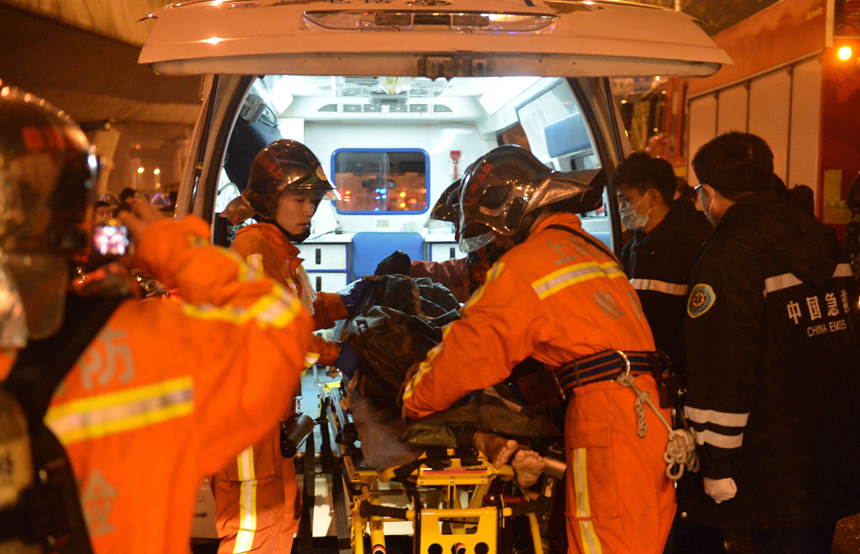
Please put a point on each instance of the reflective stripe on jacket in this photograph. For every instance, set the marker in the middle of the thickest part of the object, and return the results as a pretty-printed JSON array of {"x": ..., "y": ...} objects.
[
  {"x": 279, "y": 259},
  {"x": 169, "y": 392},
  {"x": 659, "y": 265},
  {"x": 773, "y": 369},
  {"x": 554, "y": 297}
]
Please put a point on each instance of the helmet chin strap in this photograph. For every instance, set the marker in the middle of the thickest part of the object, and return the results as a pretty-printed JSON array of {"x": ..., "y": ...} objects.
[
  {"x": 297, "y": 239},
  {"x": 526, "y": 226}
]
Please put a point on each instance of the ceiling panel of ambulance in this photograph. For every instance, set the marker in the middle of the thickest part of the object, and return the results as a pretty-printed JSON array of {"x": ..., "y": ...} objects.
[{"x": 394, "y": 99}]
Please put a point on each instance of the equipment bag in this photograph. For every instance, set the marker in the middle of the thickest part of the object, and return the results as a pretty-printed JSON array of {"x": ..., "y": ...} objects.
[{"x": 40, "y": 503}]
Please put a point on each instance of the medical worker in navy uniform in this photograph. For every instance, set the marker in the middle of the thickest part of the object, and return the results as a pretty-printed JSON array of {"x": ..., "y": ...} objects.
[{"x": 773, "y": 357}]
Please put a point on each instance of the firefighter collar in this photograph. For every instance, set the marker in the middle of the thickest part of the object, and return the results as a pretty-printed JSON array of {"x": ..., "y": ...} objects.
[{"x": 701, "y": 299}]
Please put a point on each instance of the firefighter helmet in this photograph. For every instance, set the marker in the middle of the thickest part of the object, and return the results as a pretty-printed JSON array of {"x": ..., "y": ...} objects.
[
  {"x": 47, "y": 171},
  {"x": 447, "y": 207},
  {"x": 283, "y": 165},
  {"x": 509, "y": 183}
]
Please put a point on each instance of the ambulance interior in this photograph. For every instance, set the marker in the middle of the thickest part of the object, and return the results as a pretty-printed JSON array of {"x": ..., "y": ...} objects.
[{"x": 392, "y": 145}]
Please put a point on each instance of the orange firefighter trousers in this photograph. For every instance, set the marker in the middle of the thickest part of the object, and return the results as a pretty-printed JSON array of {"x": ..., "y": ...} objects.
[{"x": 257, "y": 500}]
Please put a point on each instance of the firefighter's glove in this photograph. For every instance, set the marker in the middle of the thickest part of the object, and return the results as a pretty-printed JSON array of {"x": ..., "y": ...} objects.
[
  {"x": 395, "y": 264},
  {"x": 720, "y": 489},
  {"x": 353, "y": 294},
  {"x": 347, "y": 361}
]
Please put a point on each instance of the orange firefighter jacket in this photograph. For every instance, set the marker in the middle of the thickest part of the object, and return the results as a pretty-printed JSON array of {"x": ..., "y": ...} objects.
[
  {"x": 265, "y": 247},
  {"x": 168, "y": 392},
  {"x": 554, "y": 297}
]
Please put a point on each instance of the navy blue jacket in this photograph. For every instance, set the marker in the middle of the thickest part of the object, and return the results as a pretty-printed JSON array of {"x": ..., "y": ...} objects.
[{"x": 773, "y": 370}]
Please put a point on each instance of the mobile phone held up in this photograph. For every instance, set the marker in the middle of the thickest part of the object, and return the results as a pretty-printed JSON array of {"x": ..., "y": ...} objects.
[{"x": 110, "y": 240}]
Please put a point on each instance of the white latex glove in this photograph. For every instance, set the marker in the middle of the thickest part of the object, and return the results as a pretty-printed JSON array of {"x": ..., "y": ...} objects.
[{"x": 720, "y": 489}]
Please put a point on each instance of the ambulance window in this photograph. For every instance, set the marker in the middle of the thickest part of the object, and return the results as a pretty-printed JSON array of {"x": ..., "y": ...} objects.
[
  {"x": 381, "y": 180},
  {"x": 557, "y": 132},
  {"x": 556, "y": 129}
]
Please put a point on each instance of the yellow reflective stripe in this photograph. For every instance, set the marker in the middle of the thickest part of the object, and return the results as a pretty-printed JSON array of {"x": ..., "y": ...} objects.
[
  {"x": 121, "y": 411},
  {"x": 247, "y": 501},
  {"x": 276, "y": 308},
  {"x": 570, "y": 275},
  {"x": 580, "y": 485},
  {"x": 194, "y": 240},
  {"x": 251, "y": 270},
  {"x": 255, "y": 261},
  {"x": 311, "y": 358},
  {"x": 492, "y": 275},
  {"x": 425, "y": 366},
  {"x": 245, "y": 461},
  {"x": 590, "y": 542}
]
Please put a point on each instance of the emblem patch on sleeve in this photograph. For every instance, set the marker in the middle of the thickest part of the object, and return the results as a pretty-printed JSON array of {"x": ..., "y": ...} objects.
[{"x": 701, "y": 300}]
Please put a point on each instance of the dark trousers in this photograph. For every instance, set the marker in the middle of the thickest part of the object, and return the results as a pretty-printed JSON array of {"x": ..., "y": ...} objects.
[
  {"x": 688, "y": 537},
  {"x": 812, "y": 540}
]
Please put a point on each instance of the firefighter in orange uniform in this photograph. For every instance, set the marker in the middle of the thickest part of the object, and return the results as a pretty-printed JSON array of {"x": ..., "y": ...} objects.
[
  {"x": 558, "y": 296},
  {"x": 167, "y": 392},
  {"x": 256, "y": 496}
]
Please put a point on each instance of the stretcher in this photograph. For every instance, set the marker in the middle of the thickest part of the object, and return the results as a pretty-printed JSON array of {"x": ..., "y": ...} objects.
[{"x": 455, "y": 502}]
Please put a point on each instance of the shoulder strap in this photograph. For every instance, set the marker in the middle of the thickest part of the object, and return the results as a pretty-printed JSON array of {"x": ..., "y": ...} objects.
[
  {"x": 587, "y": 238},
  {"x": 42, "y": 365},
  {"x": 49, "y": 512}
]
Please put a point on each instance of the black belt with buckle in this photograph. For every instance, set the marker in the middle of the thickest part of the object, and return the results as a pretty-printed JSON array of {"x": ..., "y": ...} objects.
[{"x": 606, "y": 366}]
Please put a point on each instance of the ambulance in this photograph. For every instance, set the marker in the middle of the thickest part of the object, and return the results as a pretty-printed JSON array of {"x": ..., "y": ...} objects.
[{"x": 397, "y": 97}]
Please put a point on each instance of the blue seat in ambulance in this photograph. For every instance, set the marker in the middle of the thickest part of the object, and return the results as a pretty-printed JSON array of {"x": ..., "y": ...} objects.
[{"x": 369, "y": 248}]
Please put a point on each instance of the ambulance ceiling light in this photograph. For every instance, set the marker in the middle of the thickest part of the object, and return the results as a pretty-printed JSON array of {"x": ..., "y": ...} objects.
[
  {"x": 410, "y": 20},
  {"x": 503, "y": 91}
]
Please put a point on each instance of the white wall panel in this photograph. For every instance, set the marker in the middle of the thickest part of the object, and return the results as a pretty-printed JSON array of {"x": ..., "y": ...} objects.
[
  {"x": 732, "y": 112},
  {"x": 703, "y": 127},
  {"x": 803, "y": 148},
  {"x": 770, "y": 99}
]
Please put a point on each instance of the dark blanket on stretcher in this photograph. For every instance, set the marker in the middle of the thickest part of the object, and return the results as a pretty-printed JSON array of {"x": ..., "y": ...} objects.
[{"x": 397, "y": 323}]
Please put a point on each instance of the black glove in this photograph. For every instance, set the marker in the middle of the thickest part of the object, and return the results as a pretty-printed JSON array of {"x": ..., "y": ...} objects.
[
  {"x": 347, "y": 361},
  {"x": 353, "y": 294},
  {"x": 395, "y": 264}
]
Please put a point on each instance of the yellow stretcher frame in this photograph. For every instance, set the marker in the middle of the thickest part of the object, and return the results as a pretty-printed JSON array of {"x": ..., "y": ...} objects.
[
  {"x": 471, "y": 529},
  {"x": 485, "y": 522}
]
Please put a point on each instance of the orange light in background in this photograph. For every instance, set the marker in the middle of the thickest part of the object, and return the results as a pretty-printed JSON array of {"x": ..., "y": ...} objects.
[
  {"x": 844, "y": 53},
  {"x": 403, "y": 204},
  {"x": 403, "y": 194}
]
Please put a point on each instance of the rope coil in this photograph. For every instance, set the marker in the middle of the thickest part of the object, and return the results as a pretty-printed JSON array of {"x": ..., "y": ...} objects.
[{"x": 680, "y": 453}]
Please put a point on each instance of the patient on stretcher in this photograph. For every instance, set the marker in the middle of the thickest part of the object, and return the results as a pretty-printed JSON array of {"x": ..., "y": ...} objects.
[
  {"x": 380, "y": 433},
  {"x": 397, "y": 323}
]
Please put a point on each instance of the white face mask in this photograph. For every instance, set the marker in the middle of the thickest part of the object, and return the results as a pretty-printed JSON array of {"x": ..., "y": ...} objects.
[
  {"x": 707, "y": 208},
  {"x": 632, "y": 219}
]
